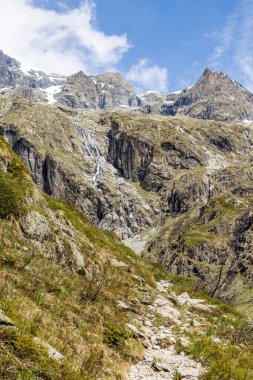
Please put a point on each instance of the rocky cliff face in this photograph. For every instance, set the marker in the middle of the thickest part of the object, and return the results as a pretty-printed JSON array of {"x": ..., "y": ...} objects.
[
  {"x": 215, "y": 96},
  {"x": 128, "y": 172},
  {"x": 108, "y": 90},
  {"x": 202, "y": 173},
  {"x": 103, "y": 91},
  {"x": 67, "y": 156}
]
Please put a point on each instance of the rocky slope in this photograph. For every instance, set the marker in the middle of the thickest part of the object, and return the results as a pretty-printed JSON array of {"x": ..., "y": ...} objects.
[
  {"x": 62, "y": 281},
  {"x": 202, "y": 173},
  {"x": 67, "y": 155},
  {"x": 103, "y": 91},
  {"x": 188, "y": 181},
  {"x": 108, "y": 90},
  {"x": 215, "y": 96},
  {"x": 105, "y": 306},
  {"x": 177, "y": 188}
]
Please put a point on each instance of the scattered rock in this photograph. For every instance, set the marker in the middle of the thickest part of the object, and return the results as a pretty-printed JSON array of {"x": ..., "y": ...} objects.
[
  {"x": 161, "y": 364},
  {"x": 140, "y": 280},
  {"x": 136, "y": 333},
  {"x": 5, "y": 321},
  {"x": 163, "y": 285},
  {"x": 161, "y": 361},
  {"x": 184, "y": 298},
  {"x": 123, "y": 305},
  {"x": 168, "y": 311},
  {"x": 35, "y": 226},
  {"x": 77, "y": 255},
  {"x": 52, "y": 352},
  {"x": 118, "y": 264}
]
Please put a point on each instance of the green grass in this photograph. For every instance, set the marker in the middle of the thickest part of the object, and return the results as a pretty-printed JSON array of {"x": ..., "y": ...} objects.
[
  {"x": 22, "y": 358},
  {"x": 14, "y": 183},
  {"x": 223, "y": 362},
  {"x": 46, "y": 298}
]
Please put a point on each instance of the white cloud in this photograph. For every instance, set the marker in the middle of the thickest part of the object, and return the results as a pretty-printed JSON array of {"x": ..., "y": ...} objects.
[
  {"x": 235, "y": 49},
  {"x": 62, "y": 42},
  {"x": 147, "y": 77}
]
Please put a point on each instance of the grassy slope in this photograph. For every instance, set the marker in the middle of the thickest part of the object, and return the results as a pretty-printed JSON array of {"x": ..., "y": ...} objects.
[{"x": 48, "y": 300}]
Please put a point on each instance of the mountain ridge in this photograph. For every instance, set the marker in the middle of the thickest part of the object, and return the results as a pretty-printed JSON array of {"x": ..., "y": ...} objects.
[
  {"x": 88, "y": 168},
  {"x": 214, "y": 96}
]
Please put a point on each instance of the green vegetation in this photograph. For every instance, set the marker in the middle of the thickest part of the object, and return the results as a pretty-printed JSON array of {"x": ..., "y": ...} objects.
[
  {"x": 116, "y": 336},
  {"x": 224, "y": 340},
  {"x": 146, "y": 194},
  {"x": 22, "y": 358},
  {"x": 229, "y": 362},
  {"x": 220, "y": 210},
  {"x": 76, "y": 313},
  {"x": 14, "y": 183}
]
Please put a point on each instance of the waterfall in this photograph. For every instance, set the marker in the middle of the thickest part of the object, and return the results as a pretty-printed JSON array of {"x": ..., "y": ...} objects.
[{"x": 90, "y": 148}]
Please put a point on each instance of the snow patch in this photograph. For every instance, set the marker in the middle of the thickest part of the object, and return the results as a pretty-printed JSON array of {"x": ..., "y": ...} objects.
[
  {"x": 168, "y": 102},
  {"x": 152, "y": 92},
  {"x": 26, "y": 68},
  {"x": 176, "y": 92},
  {"x": 51, "y": 92},
  {"x": 247, "y": 122},
  {"x": 2, "y": 90}
]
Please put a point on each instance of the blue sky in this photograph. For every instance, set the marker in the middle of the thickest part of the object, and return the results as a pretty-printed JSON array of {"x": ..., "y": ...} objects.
[{"x": 156, "y": 44}]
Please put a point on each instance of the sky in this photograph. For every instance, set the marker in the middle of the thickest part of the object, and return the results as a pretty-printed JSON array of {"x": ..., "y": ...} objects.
[{"x": 162, "y": 45}]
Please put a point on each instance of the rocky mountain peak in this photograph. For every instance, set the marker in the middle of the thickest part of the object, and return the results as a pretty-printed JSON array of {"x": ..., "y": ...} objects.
[
  {"x": 215, "y": 82},
  {"x": 214, "y": 96},
  {"x": 79, "y": 90},
  {"x": 5, "y": 60},
  {"x": 107, "y": 90},
  {"x": 79, "y": 75}
]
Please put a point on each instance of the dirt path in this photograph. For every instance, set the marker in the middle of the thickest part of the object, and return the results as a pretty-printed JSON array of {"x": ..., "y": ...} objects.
[{"x": 162, "y": 361}]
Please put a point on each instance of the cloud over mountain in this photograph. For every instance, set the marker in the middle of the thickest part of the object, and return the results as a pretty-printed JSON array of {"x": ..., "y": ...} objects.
[{"x": 64, "y": 41}]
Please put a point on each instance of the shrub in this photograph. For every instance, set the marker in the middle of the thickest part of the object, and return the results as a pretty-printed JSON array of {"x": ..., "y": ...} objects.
[{"x": 115, "y": 336}]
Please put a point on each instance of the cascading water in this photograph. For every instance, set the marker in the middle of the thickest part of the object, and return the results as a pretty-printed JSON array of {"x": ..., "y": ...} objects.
[{"x": 90, "y": 148}]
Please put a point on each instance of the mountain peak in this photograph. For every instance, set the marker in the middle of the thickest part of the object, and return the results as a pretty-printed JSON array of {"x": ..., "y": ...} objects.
[
  {"x": 214, "y": 96},
  {"x": 206, "y": 71}
]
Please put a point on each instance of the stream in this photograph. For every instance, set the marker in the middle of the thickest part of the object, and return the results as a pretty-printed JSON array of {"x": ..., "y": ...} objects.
[{"x": 90, "y": 149}]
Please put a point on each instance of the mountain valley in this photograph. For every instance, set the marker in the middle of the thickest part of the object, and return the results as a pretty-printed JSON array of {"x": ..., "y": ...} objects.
[{"x": 89, "y": 167}]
